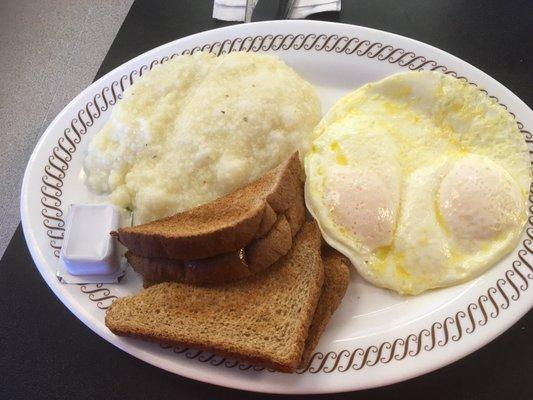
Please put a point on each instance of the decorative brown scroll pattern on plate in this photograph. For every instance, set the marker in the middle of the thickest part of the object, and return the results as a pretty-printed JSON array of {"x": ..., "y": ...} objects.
[{"x": 487, "y": 306}]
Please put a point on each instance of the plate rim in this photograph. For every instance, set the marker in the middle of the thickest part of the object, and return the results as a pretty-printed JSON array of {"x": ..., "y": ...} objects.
[{"x": 34, "y": 250}]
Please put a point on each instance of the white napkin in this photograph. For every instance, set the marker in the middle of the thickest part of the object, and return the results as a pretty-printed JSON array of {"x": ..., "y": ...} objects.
[{"x": 234, "y": 10}]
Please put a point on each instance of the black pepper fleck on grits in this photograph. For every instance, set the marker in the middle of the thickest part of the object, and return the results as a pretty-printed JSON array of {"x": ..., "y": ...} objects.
[
  {"x": 245, "y": 119},
  {"x": 223, "y": 112}
]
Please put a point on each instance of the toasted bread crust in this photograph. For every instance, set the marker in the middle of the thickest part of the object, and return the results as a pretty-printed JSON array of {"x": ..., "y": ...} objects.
[
  {"x": 336, "y": 280},
  {"x": 267, "y": 222},
  {"x": 219, "y": 269},
  {"x": 157, "y": 269},
  {"x": 262, "y": 361},
  {"x": 192, "y": 316},
  {"x": 295, "y": 214},
  {"x": 264, "y": 252},
  {"x": 228, "y": 267},
  {"x": 224, "y": 225}
]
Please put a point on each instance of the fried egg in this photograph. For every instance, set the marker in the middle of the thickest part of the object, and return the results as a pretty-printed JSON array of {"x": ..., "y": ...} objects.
[{"x": 421, "y": 179}]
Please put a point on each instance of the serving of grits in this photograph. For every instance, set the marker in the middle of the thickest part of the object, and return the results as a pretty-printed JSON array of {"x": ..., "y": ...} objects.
[{"x": 198, "y": 127}]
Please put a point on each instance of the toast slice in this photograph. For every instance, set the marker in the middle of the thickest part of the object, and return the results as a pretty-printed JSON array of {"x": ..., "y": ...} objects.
[
  {"x": 227, "y": 267},
  {"x": 263, "y": 319},
  {"x": 224, "y": 225},
  {"x": 336, "y": 280}
]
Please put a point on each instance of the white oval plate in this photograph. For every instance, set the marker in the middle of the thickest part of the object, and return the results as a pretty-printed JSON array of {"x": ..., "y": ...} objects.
[{"x": 376, "y": 337}]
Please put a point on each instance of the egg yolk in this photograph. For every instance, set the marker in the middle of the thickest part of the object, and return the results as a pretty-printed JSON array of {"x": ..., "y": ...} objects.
[
  {"x": 478, "y": 199},
  {"x": 362, "y": 204}
]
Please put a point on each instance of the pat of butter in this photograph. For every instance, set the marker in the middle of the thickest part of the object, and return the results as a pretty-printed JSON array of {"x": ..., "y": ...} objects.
[{"x": 88, "y": 248}]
